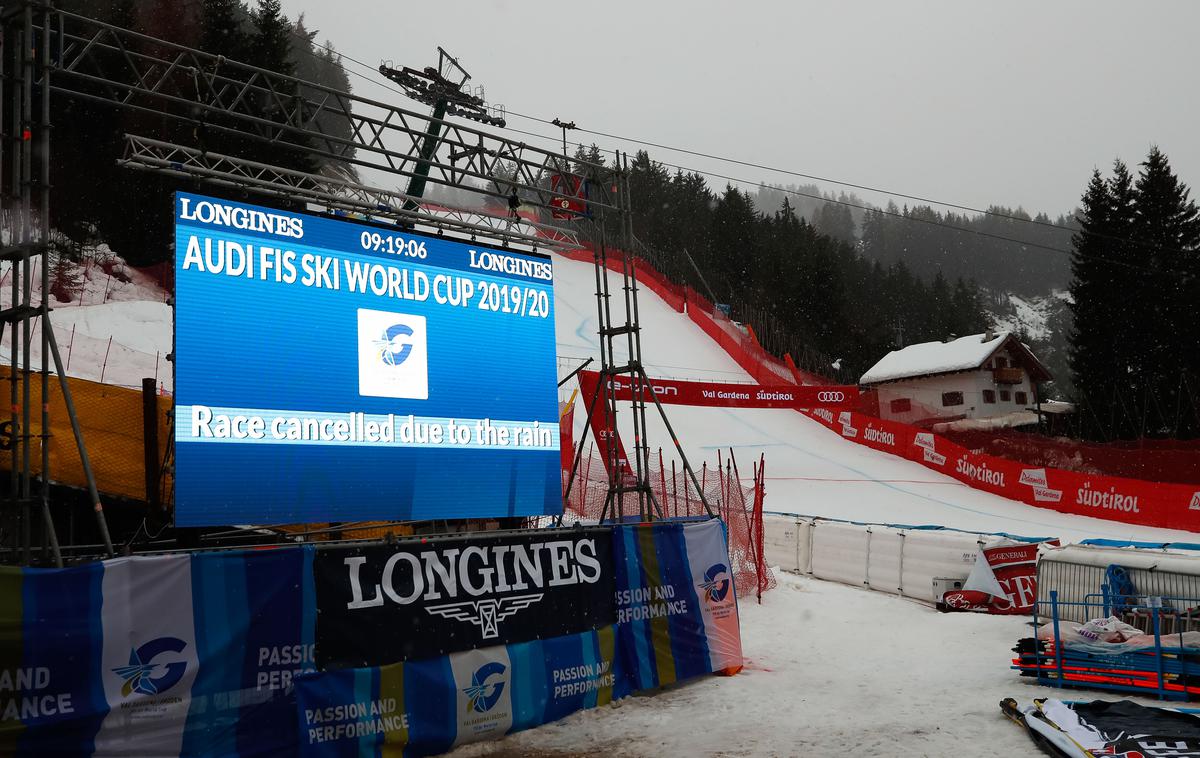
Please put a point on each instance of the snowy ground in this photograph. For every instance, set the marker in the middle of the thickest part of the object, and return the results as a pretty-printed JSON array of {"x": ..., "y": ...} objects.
[
  {"x": 116, "y": 328},
  {"x": 1029, "y": 316},
  {"x": 831, "y": 671}
]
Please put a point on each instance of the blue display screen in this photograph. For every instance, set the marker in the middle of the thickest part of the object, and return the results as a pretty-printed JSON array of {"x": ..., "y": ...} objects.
[{"x": 328, "y": 370}]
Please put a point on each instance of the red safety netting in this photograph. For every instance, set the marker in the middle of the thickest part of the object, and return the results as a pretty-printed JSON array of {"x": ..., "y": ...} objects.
[
  {"x": 740, "y": 507},
  {"x": 1175, "y": 461}
]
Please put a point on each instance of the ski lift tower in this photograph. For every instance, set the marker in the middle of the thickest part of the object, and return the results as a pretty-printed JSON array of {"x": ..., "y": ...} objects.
[{"x": 445, "y": 89}]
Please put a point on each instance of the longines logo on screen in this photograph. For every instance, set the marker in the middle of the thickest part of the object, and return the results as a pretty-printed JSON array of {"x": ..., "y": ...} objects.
[
  {"x": 393, "y": 357},
  {"x": 248, "y": 219}
]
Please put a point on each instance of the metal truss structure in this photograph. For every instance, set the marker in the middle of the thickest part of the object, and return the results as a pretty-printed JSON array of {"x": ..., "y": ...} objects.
[
  {"x": 25, "y": 67},
  {"x": 215, "y": 95},
  {"x": 626, "y": 479},
  {"x": 339, "y": 193},
  {"x": 49, "y": 53}
]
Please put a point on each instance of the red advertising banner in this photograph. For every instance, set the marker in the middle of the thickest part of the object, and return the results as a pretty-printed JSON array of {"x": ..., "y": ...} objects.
[
  {"x": 733, "y": 395},
  {"x": 1004, "y": 581},
  {"x": 568, "y": 207},
  {"x": 566, "y": 432},
  {"x": 1132, "y": 501},
  {"x": 608, "y": 439}
]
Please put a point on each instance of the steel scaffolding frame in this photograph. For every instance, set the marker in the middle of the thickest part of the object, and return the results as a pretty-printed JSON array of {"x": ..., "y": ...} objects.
[
  {"x": 25, "y": 68},
  {"x": 49, "y": 52}
]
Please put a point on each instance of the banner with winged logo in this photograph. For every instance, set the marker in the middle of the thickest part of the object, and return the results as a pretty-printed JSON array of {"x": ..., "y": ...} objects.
[
  {"x": 420, "y": 599},
  {"x": 677, "y": 618}
]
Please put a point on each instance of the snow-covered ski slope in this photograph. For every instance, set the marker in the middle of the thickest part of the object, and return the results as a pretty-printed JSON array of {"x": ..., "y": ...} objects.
[
  {"x": 116, "y": 328},
  {"x": 810, "y": 470}
]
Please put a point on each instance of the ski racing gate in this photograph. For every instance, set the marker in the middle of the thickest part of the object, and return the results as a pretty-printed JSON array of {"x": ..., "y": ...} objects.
[{"x": 350, "y": 646}]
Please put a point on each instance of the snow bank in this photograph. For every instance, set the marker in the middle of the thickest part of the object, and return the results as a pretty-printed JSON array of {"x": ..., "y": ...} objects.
[
  {"x": 102, "y": 277},
  {"x": 115, "y": 343},
  {"x": 1003, "y": 421},
  {"x": 1029, "y": 316}
]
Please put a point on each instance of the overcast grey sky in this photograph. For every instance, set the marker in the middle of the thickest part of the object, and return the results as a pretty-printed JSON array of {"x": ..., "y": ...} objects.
[{"x": 969, "y": 102}]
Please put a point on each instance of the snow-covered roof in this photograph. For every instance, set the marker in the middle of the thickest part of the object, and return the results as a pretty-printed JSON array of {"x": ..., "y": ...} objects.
[{"x": 963, "y": 354}]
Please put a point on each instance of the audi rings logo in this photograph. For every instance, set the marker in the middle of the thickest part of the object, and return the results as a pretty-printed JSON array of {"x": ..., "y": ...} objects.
[{"x": 831, "y": 396}]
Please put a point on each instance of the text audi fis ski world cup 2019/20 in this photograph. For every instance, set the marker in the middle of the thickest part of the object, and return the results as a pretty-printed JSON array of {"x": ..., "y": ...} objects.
[{"x": 328, "y": 370}]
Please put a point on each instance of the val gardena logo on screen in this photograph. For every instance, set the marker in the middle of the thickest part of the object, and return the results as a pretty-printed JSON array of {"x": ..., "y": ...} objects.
[{"x": 393, "y": 359}]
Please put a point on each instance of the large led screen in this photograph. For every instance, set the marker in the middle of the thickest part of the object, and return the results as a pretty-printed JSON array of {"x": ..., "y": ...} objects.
[{"x": 328, "y": 370}]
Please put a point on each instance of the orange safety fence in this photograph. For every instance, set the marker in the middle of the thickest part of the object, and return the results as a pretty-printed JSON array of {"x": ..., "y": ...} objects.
[{"x": 740, "y": 507}]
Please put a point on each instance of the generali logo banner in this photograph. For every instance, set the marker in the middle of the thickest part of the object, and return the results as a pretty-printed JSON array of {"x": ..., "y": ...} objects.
[
  {"x": 419, "y": 599},
  {"x": 728, "y": 394},
  {"x": 1004, "y": 581}
]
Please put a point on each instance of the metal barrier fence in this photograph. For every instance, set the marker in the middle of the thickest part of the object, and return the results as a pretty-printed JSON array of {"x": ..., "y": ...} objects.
[
  {"x": 1077, "y": 584},
  {"x": 1161, "y": 658}
]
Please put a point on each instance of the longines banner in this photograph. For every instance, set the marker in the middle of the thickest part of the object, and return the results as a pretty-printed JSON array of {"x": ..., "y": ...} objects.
[
  {"x": 391, "y": 603},
  {"x": 204, "y": 654},
  {"x": 677, "y": 618}
]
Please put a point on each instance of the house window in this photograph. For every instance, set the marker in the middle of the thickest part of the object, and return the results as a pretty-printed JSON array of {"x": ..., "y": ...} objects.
[
  {"x": 989, "y": 396},
  {"x": 1001, "y": 362},
  {"x": 1022, "y": 398},
  {"x": 952, "y": 398},
  {"x": 1005, "y": 396},
  {"x": 901, "y": 405}
]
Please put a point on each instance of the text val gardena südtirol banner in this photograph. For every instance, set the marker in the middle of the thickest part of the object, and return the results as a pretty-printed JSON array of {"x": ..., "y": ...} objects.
[{"x": 327, "y": 370}]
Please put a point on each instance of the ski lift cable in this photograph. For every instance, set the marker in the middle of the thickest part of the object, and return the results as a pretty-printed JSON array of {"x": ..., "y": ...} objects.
[
  {"x": 898, "y": 215},
  {"x": 798, "y": 193}
]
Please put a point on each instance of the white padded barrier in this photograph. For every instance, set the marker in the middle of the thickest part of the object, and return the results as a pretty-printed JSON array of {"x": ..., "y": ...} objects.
[
  {"x": 840, "y": 552},
  {"x": 884, "y": 558},
  {"x": 781, "y": 542}
]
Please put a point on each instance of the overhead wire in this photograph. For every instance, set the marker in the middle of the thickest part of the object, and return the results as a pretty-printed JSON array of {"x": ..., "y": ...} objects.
[
  {"x": 791, "y": 191},
  {"x": 885, "y": 212}
]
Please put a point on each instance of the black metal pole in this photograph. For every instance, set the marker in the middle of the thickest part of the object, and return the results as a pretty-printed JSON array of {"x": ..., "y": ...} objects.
[
  {"x": 579, "y": 368},
  {"x": 44, "y": 310},
  {"x": 679, "y": 448},
  {"x": 429, "y": 145},
  {"x": 97, "y": 506},
  {"x": 150, "y": 442}
]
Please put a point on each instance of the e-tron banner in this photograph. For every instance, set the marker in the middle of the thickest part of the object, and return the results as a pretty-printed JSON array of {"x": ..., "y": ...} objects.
[
  {"x": 419, "y": 599},
  {"x": 328, "y": 370},
  {"x": 732, "y": 395}
]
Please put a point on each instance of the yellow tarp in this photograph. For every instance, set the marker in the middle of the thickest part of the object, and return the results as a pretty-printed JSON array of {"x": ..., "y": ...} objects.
[{"x": 111, "y": 420}]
